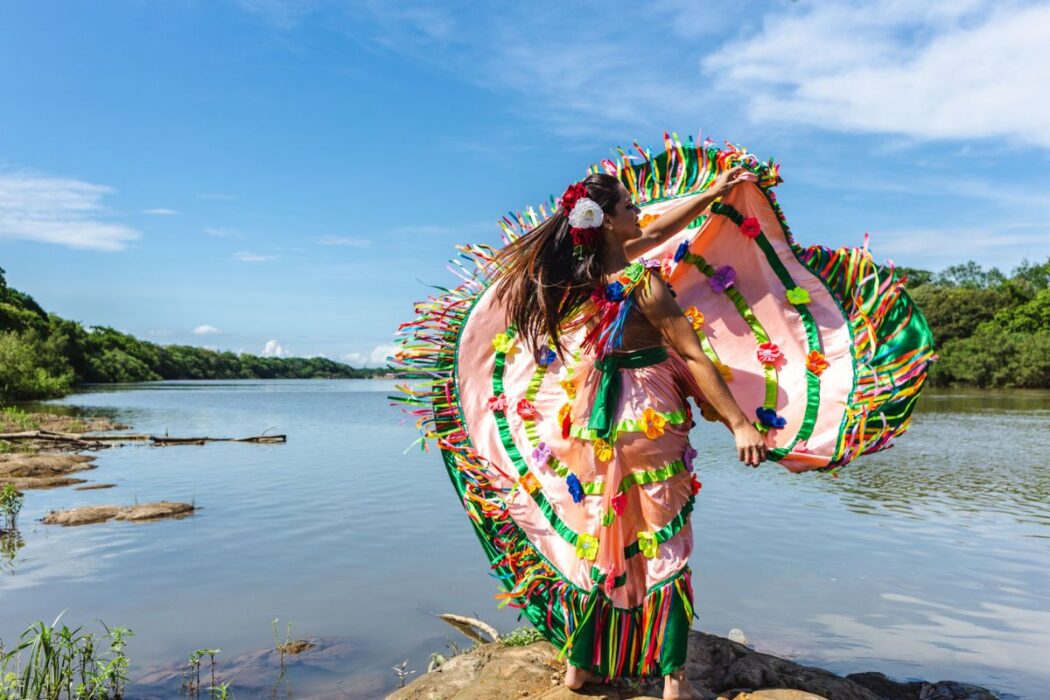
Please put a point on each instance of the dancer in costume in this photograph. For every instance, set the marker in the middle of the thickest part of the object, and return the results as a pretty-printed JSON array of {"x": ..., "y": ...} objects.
[{"x": 555, "y": 378}]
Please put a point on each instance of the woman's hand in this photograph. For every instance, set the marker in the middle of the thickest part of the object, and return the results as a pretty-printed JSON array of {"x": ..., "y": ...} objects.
[
  {"x": 730, "y": 178},
  {"x": 750, "y": 444}
]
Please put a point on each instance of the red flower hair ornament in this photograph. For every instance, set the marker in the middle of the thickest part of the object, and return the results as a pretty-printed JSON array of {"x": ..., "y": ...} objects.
[{"x": 585, "y": 216}]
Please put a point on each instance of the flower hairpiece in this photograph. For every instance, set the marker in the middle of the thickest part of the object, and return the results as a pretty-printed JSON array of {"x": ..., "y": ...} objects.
[{"x": 585, "y": 216}]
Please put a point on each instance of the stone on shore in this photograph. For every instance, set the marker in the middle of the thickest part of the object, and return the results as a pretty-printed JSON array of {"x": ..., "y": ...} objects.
[
  {"x": 86, "y": 515},
  {"x": 718, "y": 668},
  {"x": 30, "y": 470}
]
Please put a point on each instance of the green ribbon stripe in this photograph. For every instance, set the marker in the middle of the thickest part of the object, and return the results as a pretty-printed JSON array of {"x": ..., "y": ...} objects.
[
  {"x": 667, "y": 531},
  {"x": 627, "y": 425},
  {"x": 809, "y": 419}
]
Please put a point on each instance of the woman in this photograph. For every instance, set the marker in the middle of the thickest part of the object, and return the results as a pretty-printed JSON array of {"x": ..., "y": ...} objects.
[{"x": 626, "y": 423}]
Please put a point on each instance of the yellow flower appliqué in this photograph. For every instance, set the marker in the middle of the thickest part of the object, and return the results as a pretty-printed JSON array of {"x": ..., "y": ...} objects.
[
  {"x": 602, "y": 450},
  {"x": 647, "y": 544},
  {"x": 502, "y": 342},
  {"x": 696, "y": 317},
  {"x": 569, "y": 388},
  {"x": 587, "y": 547},
  {"x": 653, "y": 423},
  {"x": 798, "y": 295},
  {"x": 529, "y": 482},
  {"x": 725, "y": 370}
]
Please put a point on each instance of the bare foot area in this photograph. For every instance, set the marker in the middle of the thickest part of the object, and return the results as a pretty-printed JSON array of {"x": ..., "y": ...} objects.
[
  {"x": 86, "y": 515},
  {"x": 42, "y": 470}
]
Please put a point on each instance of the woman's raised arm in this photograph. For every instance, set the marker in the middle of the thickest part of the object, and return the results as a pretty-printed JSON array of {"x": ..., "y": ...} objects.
[
  {"x": 663, "y": 312},
  {"x": 677, "y": 218}
]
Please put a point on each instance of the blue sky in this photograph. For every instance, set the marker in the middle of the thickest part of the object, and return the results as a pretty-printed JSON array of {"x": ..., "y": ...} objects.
[{"x": 286, "y": 175}]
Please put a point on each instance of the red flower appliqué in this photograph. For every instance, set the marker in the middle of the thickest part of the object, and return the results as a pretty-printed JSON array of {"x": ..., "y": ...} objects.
[
  {"x": 526, "y": 410},
  {"x": 573, "y": 193},
  {"x": 769, "y": 353},
  {"x": 750, "y": 227}
]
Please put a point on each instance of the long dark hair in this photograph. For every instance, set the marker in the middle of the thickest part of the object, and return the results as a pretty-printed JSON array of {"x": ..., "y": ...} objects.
[{"x": 539, "y": 280}]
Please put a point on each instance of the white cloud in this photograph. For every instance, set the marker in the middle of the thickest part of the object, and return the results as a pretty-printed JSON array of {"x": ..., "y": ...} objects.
[
  {"x": 342, "y": 241},
  {"x": 274, "y": 349},
  {"x": 376, "y": 357},
  {"x": 160, "y": 211},
  {"x": 1002, "y": 245},
  {"x": 247, "y": 256},
  {"x": 206, "y": 330},
  {"x": 219, "y": 232},
  {"x": 944, "y": 69},
  {"x": 58, "y": 210}
]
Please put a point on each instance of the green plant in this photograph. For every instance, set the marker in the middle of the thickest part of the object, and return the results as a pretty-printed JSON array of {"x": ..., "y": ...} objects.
[
  {"x": 522, "y": 636},
  {"x": 11, "y": 500},
  {"x": 65, "y": 663},
  {"x": 18, "y": 418}
]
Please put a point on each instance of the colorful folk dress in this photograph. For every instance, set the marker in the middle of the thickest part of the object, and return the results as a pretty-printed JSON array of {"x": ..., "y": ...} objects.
[{"x": 576, "y": 473}]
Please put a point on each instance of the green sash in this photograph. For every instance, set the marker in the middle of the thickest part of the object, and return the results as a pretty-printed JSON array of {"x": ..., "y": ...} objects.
[{"x": 610, "y": 385}]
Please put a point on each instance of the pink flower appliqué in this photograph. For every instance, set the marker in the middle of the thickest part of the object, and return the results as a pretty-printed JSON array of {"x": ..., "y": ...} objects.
[
  {"x": 541, "y": 455},
  {"x": 769, "y": 353},
  {"x": 750, "y": 227},
  {"x": 497, "y": 403},
  {"x": 723, "y": 279}
]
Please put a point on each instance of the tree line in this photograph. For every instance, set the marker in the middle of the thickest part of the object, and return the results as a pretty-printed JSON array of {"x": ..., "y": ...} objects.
[{"x": 43, "y": 356}]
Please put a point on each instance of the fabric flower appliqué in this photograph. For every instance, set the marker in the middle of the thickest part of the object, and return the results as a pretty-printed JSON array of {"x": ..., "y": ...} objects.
[
  {"x": 647, "y": 544},
  {"x": 681, "y": 250},
  {"x": 695, "y": 485},
  {"x": 650, "y": 263},
  {"x": 497, "y": 403},
  {"x": 526, "y": 410},
  {"x": 723, "y": 279},
  {"x": 725, "y": 370},
  {"x": 798, "y": 295},
  {"x": 569, "y": 388},
  {"x": 696, "y": 317},
  {"x": 647, "y": 219},
  {"x": 575, "y": 487},
  {"x": 769, "y": 353},
  {"x": 689, "y": 456},
  {"x": 653, "y": 423},
  {"x": 619, "y": 503},
  {"x": 502, "y": 342},
  {"x": 573, "y": 193},
  {"x": 587, "y": 546},
  {"x": 546, "y": 357},
  {"x": 565, "y": 420},
  {"x": 769, "y": 418},
  {"x": 750, "y": 227},
  {"x": 603, "y": 451},
  {"x": 529, "y": 482},
  {"x": 541, "y": 455},
  {"x": 614, "y": 292},
  {"x": 816, "y": 362}
]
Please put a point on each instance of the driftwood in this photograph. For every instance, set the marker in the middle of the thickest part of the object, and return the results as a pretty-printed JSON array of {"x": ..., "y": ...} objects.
[
  {"x": 472, "y": 628},
  {"x": 97, "y": 441}
]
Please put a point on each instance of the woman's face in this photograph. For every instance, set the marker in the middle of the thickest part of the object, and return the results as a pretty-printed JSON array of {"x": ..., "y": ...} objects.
[{"x": 622, "y": 222}]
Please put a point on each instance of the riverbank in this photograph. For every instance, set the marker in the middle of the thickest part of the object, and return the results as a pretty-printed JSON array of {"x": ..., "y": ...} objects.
[{"x": 718, "y": 668}]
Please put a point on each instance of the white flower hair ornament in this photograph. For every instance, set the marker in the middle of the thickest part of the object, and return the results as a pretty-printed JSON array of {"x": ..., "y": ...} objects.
[{"x": 586, "y": 214}]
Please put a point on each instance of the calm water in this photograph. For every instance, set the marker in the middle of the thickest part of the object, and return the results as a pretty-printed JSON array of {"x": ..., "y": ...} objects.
[{"x": 931, "y": 560}]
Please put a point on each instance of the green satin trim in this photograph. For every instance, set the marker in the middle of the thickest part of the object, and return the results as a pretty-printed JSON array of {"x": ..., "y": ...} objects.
[
  {"x": 667, "y": 531},
  {"x": 610, "y": 385},
  {"x": 627, "y": 425},
  {"x": 648, "y": 476}
]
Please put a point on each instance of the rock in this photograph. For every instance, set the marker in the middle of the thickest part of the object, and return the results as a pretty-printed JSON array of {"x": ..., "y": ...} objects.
[
  {"x": 717, "y": 668},
  {"x": 86, "y": 515},
  {"x": 889, "y": 689},
  {"x": 30, "y": 470}
]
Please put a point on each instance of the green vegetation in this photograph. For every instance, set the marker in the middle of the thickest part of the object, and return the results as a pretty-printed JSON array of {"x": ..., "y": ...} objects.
[
  {"x": 990, "y": 329},
  {"x": 43, "y": 356},
  {"x": 63, "y": 663},
  {"x": 10, "y": 505},
  {"x": 521, "y": 637}
]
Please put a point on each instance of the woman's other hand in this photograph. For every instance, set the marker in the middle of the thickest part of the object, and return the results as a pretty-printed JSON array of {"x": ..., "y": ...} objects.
[{"x": 750, "y": 444}]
